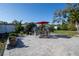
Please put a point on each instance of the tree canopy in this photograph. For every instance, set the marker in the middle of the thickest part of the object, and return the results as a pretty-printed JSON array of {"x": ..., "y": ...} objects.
[{"x": 69, "y": 13}]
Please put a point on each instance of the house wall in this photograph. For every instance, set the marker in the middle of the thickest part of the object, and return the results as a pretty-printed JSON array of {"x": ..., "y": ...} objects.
[
  {"x": 56, "y": 27},
  {"x": 7, "y": 28}
]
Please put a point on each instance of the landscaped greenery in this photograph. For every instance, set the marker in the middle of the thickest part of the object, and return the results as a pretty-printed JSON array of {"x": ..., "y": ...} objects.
[
  {"x": 2, "y": 44},
  {"x": 1, "y": 47},
  {"x": 29, "y": 28},
  {"x": 64, "y": 32},
  {"x": 71, "y": 13},
  {"x": 18, "y": 26}
]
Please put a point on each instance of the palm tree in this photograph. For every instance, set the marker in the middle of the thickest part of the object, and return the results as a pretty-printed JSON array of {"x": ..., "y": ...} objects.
[
  {"x": 18, "y": 26},
  {"x": 73, "y": 17},
  {"x": 71, "y": 12}
]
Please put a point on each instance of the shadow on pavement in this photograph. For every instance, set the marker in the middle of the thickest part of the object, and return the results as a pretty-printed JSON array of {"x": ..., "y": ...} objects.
[
  {"x": 58, "y": 36},
  {"x": 55, "y": 36},
  {"x": 19, "y": 44}
]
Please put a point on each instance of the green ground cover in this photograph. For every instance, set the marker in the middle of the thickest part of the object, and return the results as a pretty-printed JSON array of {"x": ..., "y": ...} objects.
[{"x": 64, "y": 32}]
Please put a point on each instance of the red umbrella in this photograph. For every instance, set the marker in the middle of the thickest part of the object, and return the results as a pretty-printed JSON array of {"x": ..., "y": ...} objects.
[{"x": 42, "y": 22}]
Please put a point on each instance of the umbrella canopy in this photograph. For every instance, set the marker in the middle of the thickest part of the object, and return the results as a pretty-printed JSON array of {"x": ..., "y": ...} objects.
[{"x": 42, "y": 22}]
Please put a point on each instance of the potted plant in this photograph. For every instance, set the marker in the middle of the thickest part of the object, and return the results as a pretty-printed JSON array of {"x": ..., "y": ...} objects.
[
  {"x": 21, "y": 33},
  {"x": 12, "y": 39}
]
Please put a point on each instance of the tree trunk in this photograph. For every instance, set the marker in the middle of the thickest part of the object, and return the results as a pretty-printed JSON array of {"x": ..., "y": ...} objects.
[{"x": 77, "y": 26}]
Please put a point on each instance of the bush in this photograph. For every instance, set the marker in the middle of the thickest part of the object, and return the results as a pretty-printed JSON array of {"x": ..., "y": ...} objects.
[
  {"x": 51, "y": 28},
  {"x": 12, "y": 34},
  {"x": 64, "y": 27},
  {"x": 59, "y": 27},
  {"x": 68, "y": 26},
  {"x": 1, "y": 45},
  {"x": 21, "y": 32},
  {"x": 29, "y": 27},
  {"x": 71, "y": 27}
]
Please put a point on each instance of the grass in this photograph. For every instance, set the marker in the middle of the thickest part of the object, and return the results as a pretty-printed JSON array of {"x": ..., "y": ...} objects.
[{"x": 65, "y": 32}]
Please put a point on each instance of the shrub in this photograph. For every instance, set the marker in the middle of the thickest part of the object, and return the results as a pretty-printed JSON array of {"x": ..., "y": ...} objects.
[
  {"x": 1, "y": 45},
  {"x": 51, "y": 28},
  {"x": 21, "y": 33},
  {"x": 71, "y": 27},
  {"x": 12, "y": 34},
  {"x": 64, "y": 27}
]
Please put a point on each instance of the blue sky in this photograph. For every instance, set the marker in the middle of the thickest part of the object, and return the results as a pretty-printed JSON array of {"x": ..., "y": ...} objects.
[{"x": 29, "y": 12}]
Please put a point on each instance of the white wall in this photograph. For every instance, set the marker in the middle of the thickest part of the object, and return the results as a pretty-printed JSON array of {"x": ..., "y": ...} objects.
[
  {"x": 56, "y": 27},
  {"x": 7, "y": 28}
]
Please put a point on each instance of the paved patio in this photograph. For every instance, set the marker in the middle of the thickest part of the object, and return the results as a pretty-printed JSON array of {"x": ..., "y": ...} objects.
[{"x": 55, "y": 46}]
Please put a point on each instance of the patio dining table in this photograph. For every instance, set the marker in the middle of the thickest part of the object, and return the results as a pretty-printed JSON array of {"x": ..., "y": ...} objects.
[{"x": 43, "y": 32}]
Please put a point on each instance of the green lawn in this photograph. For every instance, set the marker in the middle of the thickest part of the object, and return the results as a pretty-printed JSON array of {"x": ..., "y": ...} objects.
[{"x": 64, "y": 32}]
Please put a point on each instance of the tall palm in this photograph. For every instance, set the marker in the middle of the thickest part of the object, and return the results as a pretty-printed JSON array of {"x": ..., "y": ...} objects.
[
  {"x": 71, "y": 12},
  {"x": 60, "y": 16},
  {"x": 73, "y": 17}
]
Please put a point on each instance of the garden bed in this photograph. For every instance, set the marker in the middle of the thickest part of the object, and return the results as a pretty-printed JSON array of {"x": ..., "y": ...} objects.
[{"x": 2, "y": 44}]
